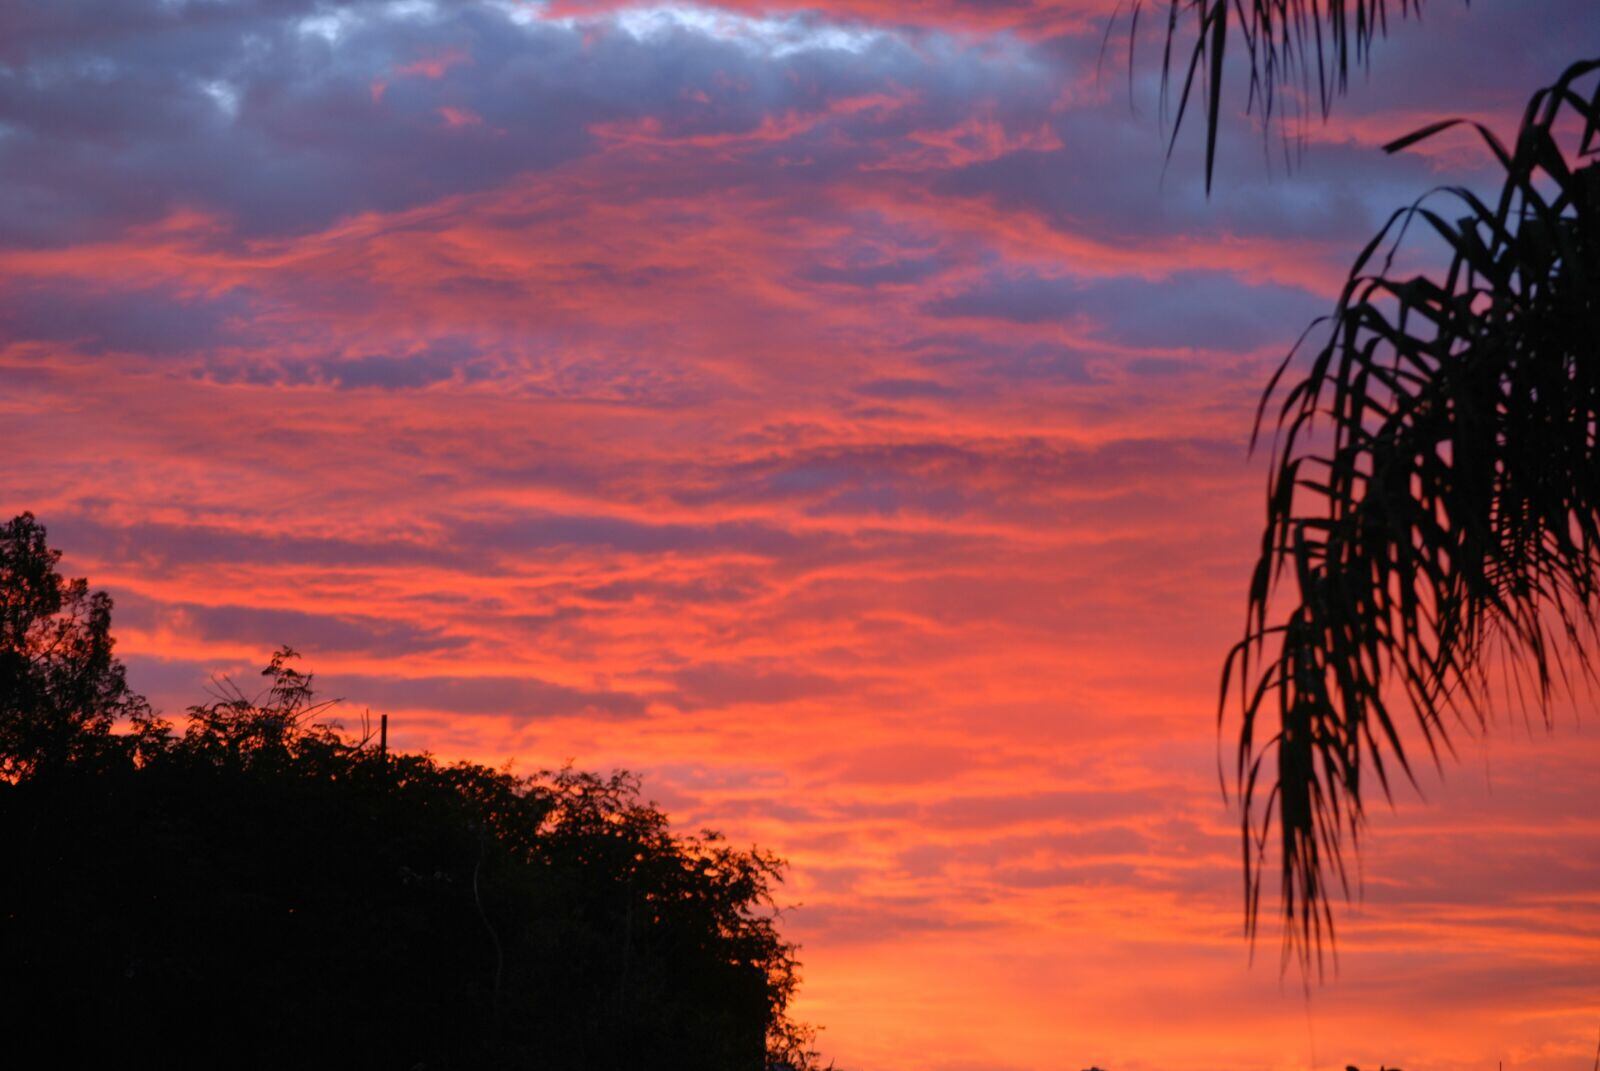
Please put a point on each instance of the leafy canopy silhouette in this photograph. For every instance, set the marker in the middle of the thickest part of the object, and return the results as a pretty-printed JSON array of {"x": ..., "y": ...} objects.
[
  {"x": 60, "y": 687},
  {"x": 261, "y": 890}
]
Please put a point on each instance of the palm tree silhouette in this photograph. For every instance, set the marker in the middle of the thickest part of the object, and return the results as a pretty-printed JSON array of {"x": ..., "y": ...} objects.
[
  {"x": 1445, "y": 509},
  {"x": 1433, "y": 520}
]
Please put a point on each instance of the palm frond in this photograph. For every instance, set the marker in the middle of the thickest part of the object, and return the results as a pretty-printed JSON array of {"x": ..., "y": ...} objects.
[
  {"x": 1303, "y": 48},
  {"x": 1433, "y": 511}
]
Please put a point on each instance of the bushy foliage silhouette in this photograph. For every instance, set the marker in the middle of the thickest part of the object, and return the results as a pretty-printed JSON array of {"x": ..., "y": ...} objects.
[{"x": 261, "y": 890}]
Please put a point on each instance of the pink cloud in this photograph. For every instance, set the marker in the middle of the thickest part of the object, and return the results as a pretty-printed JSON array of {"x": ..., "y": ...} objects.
[
  {"x": 459, "y": 117},
  {"x": 436, "y": 66}
]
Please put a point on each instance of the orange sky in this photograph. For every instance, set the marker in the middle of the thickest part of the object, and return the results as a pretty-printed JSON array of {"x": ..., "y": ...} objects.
[{"x": 838, "y": 418}]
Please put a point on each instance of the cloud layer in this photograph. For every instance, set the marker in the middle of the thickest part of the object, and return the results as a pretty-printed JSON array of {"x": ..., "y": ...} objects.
[{"x": 834, "y": 411}]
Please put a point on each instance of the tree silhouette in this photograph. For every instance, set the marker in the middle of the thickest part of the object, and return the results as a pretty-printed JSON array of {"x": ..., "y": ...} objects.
[
  {"x": 261, "y": 890},
  {"x": 61, "y": 689},
  {"x": 1433, "y": 505}
]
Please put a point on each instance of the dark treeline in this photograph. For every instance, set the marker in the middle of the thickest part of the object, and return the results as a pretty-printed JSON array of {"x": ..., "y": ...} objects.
[{"x": 255, "y": 888}]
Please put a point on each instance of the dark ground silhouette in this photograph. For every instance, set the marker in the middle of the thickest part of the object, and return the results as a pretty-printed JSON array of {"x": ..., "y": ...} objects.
[{"x": 257, "y": 889}]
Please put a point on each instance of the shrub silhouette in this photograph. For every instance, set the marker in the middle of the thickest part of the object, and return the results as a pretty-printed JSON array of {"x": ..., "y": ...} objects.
[{"x": 258, "y": 889}]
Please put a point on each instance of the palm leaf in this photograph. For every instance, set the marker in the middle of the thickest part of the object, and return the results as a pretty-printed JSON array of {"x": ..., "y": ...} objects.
[
  {"x": 1300, "y": 49},
  {"x": 1432, "y": 542}
]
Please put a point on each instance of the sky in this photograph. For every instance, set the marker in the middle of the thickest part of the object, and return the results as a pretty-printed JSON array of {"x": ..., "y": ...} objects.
[{"x": 835, "y": 412}]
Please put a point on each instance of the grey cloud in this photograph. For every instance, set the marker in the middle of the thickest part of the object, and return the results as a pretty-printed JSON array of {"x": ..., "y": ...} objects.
[
  {"x": 156, "y": 547},
  {"x": 904, "y": 389},
  {"x": 270, "y": 628},
  {"x": 442, "y": 360},
  {"x": 175, "y": 684},
  {"x": 149, "y": 320},
  {"x": 874, "y": 273},
  {"x": 518, "y": 696},
  {"x": 996, "y": 364},
  {"x": 249, "y": 110},
  {"x": 943, "y": 477},
  {"x": 1204, "y": 310},
  {"x": 627, "y": 536}
]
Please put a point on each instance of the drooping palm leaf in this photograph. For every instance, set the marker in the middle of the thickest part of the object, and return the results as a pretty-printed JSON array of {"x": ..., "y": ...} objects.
[
  {"x": 1432, "y": 545},
  {"x": 1301, "y": 47}
]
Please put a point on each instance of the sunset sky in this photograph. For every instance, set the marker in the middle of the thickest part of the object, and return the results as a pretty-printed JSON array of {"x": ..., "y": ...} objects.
[{"x": 834, "y": 411}]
